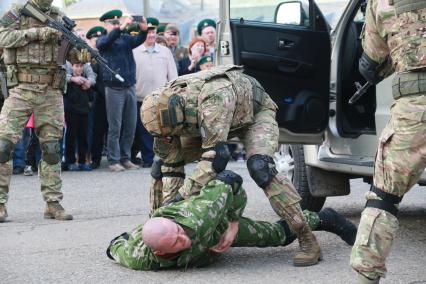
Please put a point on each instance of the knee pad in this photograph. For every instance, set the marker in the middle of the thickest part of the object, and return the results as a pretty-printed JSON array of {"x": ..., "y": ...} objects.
[
  {"x": 6, "y": 149},
  {"x": 262, "y": 169},
  {"x": 50, "y": 152},
  {"x": 388, "y": 201},
  {"x": 156, "y": 168},
  {"x": 231, "y": 178},
  {"x": 221, "y": 157}
]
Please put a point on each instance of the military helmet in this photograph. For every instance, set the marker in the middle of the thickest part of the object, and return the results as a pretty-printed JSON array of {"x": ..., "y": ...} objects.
[
  {"x": 44, "y": 5},
  {"x": 162, "y": 112}
]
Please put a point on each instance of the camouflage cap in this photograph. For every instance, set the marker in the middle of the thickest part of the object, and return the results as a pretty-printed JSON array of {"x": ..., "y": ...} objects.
[{"x": 205, "y": 23}]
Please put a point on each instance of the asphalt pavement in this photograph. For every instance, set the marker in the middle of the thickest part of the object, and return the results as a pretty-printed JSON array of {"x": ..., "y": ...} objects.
[{"x": 105, "y": 204}]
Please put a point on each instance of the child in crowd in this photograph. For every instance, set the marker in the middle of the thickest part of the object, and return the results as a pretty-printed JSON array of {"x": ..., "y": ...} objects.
[
  {"x": 205, "y": 63},
  {"x": 77, "y": 101}
]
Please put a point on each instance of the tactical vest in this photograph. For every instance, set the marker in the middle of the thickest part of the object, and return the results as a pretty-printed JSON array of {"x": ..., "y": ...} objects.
[
  {"x": 35, "y": 62},
  {"x": 408, "y": 44},
  {"x": 178, "y": 104}
]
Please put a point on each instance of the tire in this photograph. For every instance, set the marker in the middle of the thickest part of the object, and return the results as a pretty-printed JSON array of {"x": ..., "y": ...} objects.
[{"x": 300, "y": 181}]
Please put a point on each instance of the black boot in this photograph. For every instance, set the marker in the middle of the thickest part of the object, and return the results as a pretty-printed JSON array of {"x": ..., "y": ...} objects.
[
  {"x": 333, "y": 222},
  {"x": 289, "y": 235}
]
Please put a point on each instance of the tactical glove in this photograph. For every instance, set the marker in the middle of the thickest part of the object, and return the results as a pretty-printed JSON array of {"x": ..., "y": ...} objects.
[{"x": 47, "y": 34}]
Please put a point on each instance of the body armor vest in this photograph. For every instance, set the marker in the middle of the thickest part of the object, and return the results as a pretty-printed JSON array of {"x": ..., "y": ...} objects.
[
  {"x": 408, "y": 43},
  {"x": 178, "y": 104},
  {"x": 36, "y": 54}
]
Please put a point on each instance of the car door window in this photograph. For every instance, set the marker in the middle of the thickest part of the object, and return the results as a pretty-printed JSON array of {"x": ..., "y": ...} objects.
[{"x": 291, "y": 12}]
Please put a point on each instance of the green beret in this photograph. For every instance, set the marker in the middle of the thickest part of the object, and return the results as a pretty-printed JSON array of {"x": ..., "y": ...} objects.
[
  {"x": 205, "y": 23},
  {"x": 111, "y": 15},
  {"x": 96, "y": 31},
  {"x": 160, "y": 29},
  {"x": 152, "y": 22},
  {"x": 205, "y": 59},
  {"x": 133, "y": 29}
]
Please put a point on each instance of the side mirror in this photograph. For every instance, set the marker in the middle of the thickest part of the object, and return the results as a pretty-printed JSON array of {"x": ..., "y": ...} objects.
[{"x": 290, "y": 13}]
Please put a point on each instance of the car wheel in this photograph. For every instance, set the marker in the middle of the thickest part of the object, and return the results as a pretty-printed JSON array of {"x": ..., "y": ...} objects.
[{"x": 291, "y": 161}]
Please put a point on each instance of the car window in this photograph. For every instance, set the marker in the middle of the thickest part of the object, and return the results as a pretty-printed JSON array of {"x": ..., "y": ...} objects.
[
  {"x": 271, "y": 11},
  {"x": 332, "y": 10},
  {"x": 268, "y": 10}
]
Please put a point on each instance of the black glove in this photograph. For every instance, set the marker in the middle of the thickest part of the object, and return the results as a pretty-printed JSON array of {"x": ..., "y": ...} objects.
[{"x": 370, "y": 69}]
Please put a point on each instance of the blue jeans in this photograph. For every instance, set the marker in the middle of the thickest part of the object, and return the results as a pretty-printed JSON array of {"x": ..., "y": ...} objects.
[
  {"x": 121, "y": 115},
  {"x": 20, "y": 149}
]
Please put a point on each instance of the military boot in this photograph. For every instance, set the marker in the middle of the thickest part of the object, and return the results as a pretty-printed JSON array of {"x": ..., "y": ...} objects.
[
  {"x": 3, "y": 212},
  {"x": 310, "y": 251},
  {"x": 333, "y": 222},
  {"x": 365, "y": 280},
  {"x": 54, "y": 210}
]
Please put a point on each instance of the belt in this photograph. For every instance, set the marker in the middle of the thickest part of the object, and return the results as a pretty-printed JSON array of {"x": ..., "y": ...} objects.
[
  {"x": 409, "y": 84},
  {"x": 35, "y": 78}
]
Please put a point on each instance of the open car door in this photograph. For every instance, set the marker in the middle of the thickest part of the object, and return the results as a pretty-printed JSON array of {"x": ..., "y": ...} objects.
[{"x": 286, "y": 46}]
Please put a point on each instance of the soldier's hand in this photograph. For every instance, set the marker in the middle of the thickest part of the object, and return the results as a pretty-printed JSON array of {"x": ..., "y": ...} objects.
[
  {"x": 126, "y": 22},
  {"x": 47, "y": 34},
  {"x": 227, "y": 238}
]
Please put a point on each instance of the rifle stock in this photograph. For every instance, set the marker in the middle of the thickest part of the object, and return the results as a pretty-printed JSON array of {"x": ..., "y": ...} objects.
[{"x": 69, "y": 38}]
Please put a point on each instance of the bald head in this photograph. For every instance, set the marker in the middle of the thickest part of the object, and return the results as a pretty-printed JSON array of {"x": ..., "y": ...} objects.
[{"x": 164, "y": 236}]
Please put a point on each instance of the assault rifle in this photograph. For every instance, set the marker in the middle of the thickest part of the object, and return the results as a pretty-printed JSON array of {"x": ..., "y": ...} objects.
[
  {"x": 69, "y": 38},
  {"x": 360, "y": 91}
]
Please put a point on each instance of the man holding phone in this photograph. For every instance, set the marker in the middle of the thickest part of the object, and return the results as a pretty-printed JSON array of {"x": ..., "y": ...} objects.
[{"x": 116, "y": 47}]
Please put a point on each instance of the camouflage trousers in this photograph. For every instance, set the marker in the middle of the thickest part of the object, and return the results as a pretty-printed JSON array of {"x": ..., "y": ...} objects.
[
  {"x": 47, "y": 105},
  {"x": 265, "y": 234},
  {"x": 260, "y": 138},
  {"x": 400, "y": 161}
]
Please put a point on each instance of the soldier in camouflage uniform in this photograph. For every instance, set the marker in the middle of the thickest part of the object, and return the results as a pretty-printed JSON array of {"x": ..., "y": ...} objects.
[
  {"x": 35, "y": 78},
  {"x": 396, "y": 30},
  {"x": 193, "y": 117},
  {"x": 208, "y": 224}
]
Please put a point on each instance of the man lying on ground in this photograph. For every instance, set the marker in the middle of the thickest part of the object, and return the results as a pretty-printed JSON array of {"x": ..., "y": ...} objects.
[{"x": 195, "y": 231}]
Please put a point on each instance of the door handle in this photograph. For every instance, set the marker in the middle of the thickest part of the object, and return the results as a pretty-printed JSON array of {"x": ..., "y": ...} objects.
[{"x": 285, "y": 43}]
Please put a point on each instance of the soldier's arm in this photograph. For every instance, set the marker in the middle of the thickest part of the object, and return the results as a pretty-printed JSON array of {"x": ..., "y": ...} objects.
[
  {"x": 216, "y": 112},
  {"x": 373, "y": 40},
  {"x": 173, "y": 172},
  {"x": 128, "y": 250},
  {"x": 10, "y": 34}
]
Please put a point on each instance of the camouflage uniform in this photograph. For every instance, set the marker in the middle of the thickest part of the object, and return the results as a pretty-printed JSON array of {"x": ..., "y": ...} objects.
[
  {"x": 195, "y": 113},
  {"x": 401, "y": 157},
  {"x": 36, "y": 80},
  {"x": 205, "y": 218}
]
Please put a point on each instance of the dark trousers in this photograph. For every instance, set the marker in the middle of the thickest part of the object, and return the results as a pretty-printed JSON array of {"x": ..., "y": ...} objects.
[
  {"x": 100, "y": 127},
  {"x": 145, "y": 140},
  {"x": 121, "y": 114},
  {"x": 33, "y": 151},
  {"x": 77, "y": 125}
]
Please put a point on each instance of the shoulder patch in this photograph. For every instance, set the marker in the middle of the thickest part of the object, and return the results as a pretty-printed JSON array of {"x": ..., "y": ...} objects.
[{"x": 9, "y": 17}]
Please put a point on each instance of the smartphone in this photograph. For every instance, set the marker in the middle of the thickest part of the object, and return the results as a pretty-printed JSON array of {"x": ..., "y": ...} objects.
[{"x": 137, "y": 18}]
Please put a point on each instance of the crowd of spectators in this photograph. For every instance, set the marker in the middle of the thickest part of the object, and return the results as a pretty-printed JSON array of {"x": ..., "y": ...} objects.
[{"x": 101, "y": 112}]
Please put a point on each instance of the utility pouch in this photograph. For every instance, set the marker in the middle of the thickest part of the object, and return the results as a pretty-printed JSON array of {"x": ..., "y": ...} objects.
[
  {"x": 11, "y": 76},
  {"x": 59, "y": 79}
]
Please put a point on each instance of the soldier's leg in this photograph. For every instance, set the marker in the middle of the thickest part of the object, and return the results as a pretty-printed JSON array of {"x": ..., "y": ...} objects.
[
  {"x": 14, "y": 115},
  {"x": 261, "y": 141},
  {"x": 174, "y": 172},
  {"x": 48, "y": 124},
  {"x": 400, "y": 161}
]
